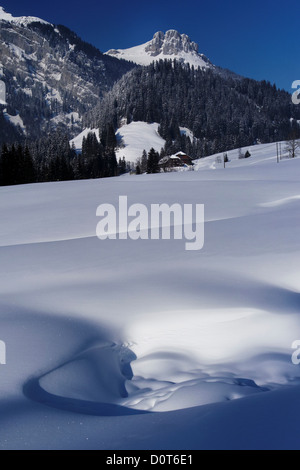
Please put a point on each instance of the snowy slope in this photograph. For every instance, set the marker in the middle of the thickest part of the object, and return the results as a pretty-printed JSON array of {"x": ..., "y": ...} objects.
[
  {"x": 15, "y": 120},
  {"x": 100, "y": 332},
  {"x": 259, "y": 154},
  {"x": 171, "y": 45},
  {"x": 136, "y": 137},
  {"x": 21, "y": 20},
  {"x": 77, "y": 141}
]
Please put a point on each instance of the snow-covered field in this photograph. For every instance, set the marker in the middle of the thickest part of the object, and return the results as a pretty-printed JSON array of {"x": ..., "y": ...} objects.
[
  {"x": 136, "y": 137},
  {"x": 123, "y": 344}
]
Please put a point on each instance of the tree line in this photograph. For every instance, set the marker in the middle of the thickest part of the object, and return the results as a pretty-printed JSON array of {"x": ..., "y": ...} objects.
[{"x": 53, "y": 159}]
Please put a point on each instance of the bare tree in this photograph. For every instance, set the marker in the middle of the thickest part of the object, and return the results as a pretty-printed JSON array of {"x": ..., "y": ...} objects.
[{"x": 292, "y": 146}]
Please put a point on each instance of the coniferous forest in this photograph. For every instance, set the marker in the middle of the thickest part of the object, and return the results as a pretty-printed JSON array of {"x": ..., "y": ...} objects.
[
  {"x": 52, "y": 159},
  {"x": 223, "y": 111}
]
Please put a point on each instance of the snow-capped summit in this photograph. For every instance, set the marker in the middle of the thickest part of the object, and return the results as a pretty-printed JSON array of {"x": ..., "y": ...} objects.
[
  {"x": 169, "y": 45},
  {"x": 21, "y": 20}
]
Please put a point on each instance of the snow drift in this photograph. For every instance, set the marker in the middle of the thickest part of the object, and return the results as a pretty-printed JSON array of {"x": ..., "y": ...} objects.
[{"x": 123, "y": 344}]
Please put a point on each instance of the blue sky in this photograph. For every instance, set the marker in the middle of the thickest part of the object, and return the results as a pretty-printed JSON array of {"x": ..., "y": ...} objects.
[{"x": 258, "y": 39}]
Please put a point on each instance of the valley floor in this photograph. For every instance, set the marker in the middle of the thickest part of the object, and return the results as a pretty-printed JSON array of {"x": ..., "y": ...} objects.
[{"x": 123, "y": 344}]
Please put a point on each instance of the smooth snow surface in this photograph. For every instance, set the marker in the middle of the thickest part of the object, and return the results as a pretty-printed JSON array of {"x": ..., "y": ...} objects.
[
  {"x": 123, "y": 344},
  {"x": 136, "y": 137}
]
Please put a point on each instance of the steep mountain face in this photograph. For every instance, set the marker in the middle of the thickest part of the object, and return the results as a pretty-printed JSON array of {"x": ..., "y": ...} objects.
[
  {"x": 171, "y": 45},
  {"x": 52, "y": 77}
]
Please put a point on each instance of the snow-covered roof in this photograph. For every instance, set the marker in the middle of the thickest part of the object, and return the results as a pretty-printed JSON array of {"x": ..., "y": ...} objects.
[{"x": 181, "y": 153}]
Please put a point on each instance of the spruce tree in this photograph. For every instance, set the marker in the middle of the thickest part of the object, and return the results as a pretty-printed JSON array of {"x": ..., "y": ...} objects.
[{"x": 153, "y": 159}]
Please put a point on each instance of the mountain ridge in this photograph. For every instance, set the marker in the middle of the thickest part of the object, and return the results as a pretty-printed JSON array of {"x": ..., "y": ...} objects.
[
  {"x": 21, "y": 20},
  {"x": 169, "y": 45}
]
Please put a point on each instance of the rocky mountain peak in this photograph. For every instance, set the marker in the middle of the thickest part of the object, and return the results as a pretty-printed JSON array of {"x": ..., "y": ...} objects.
[{"x": 170, "y": 43}]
